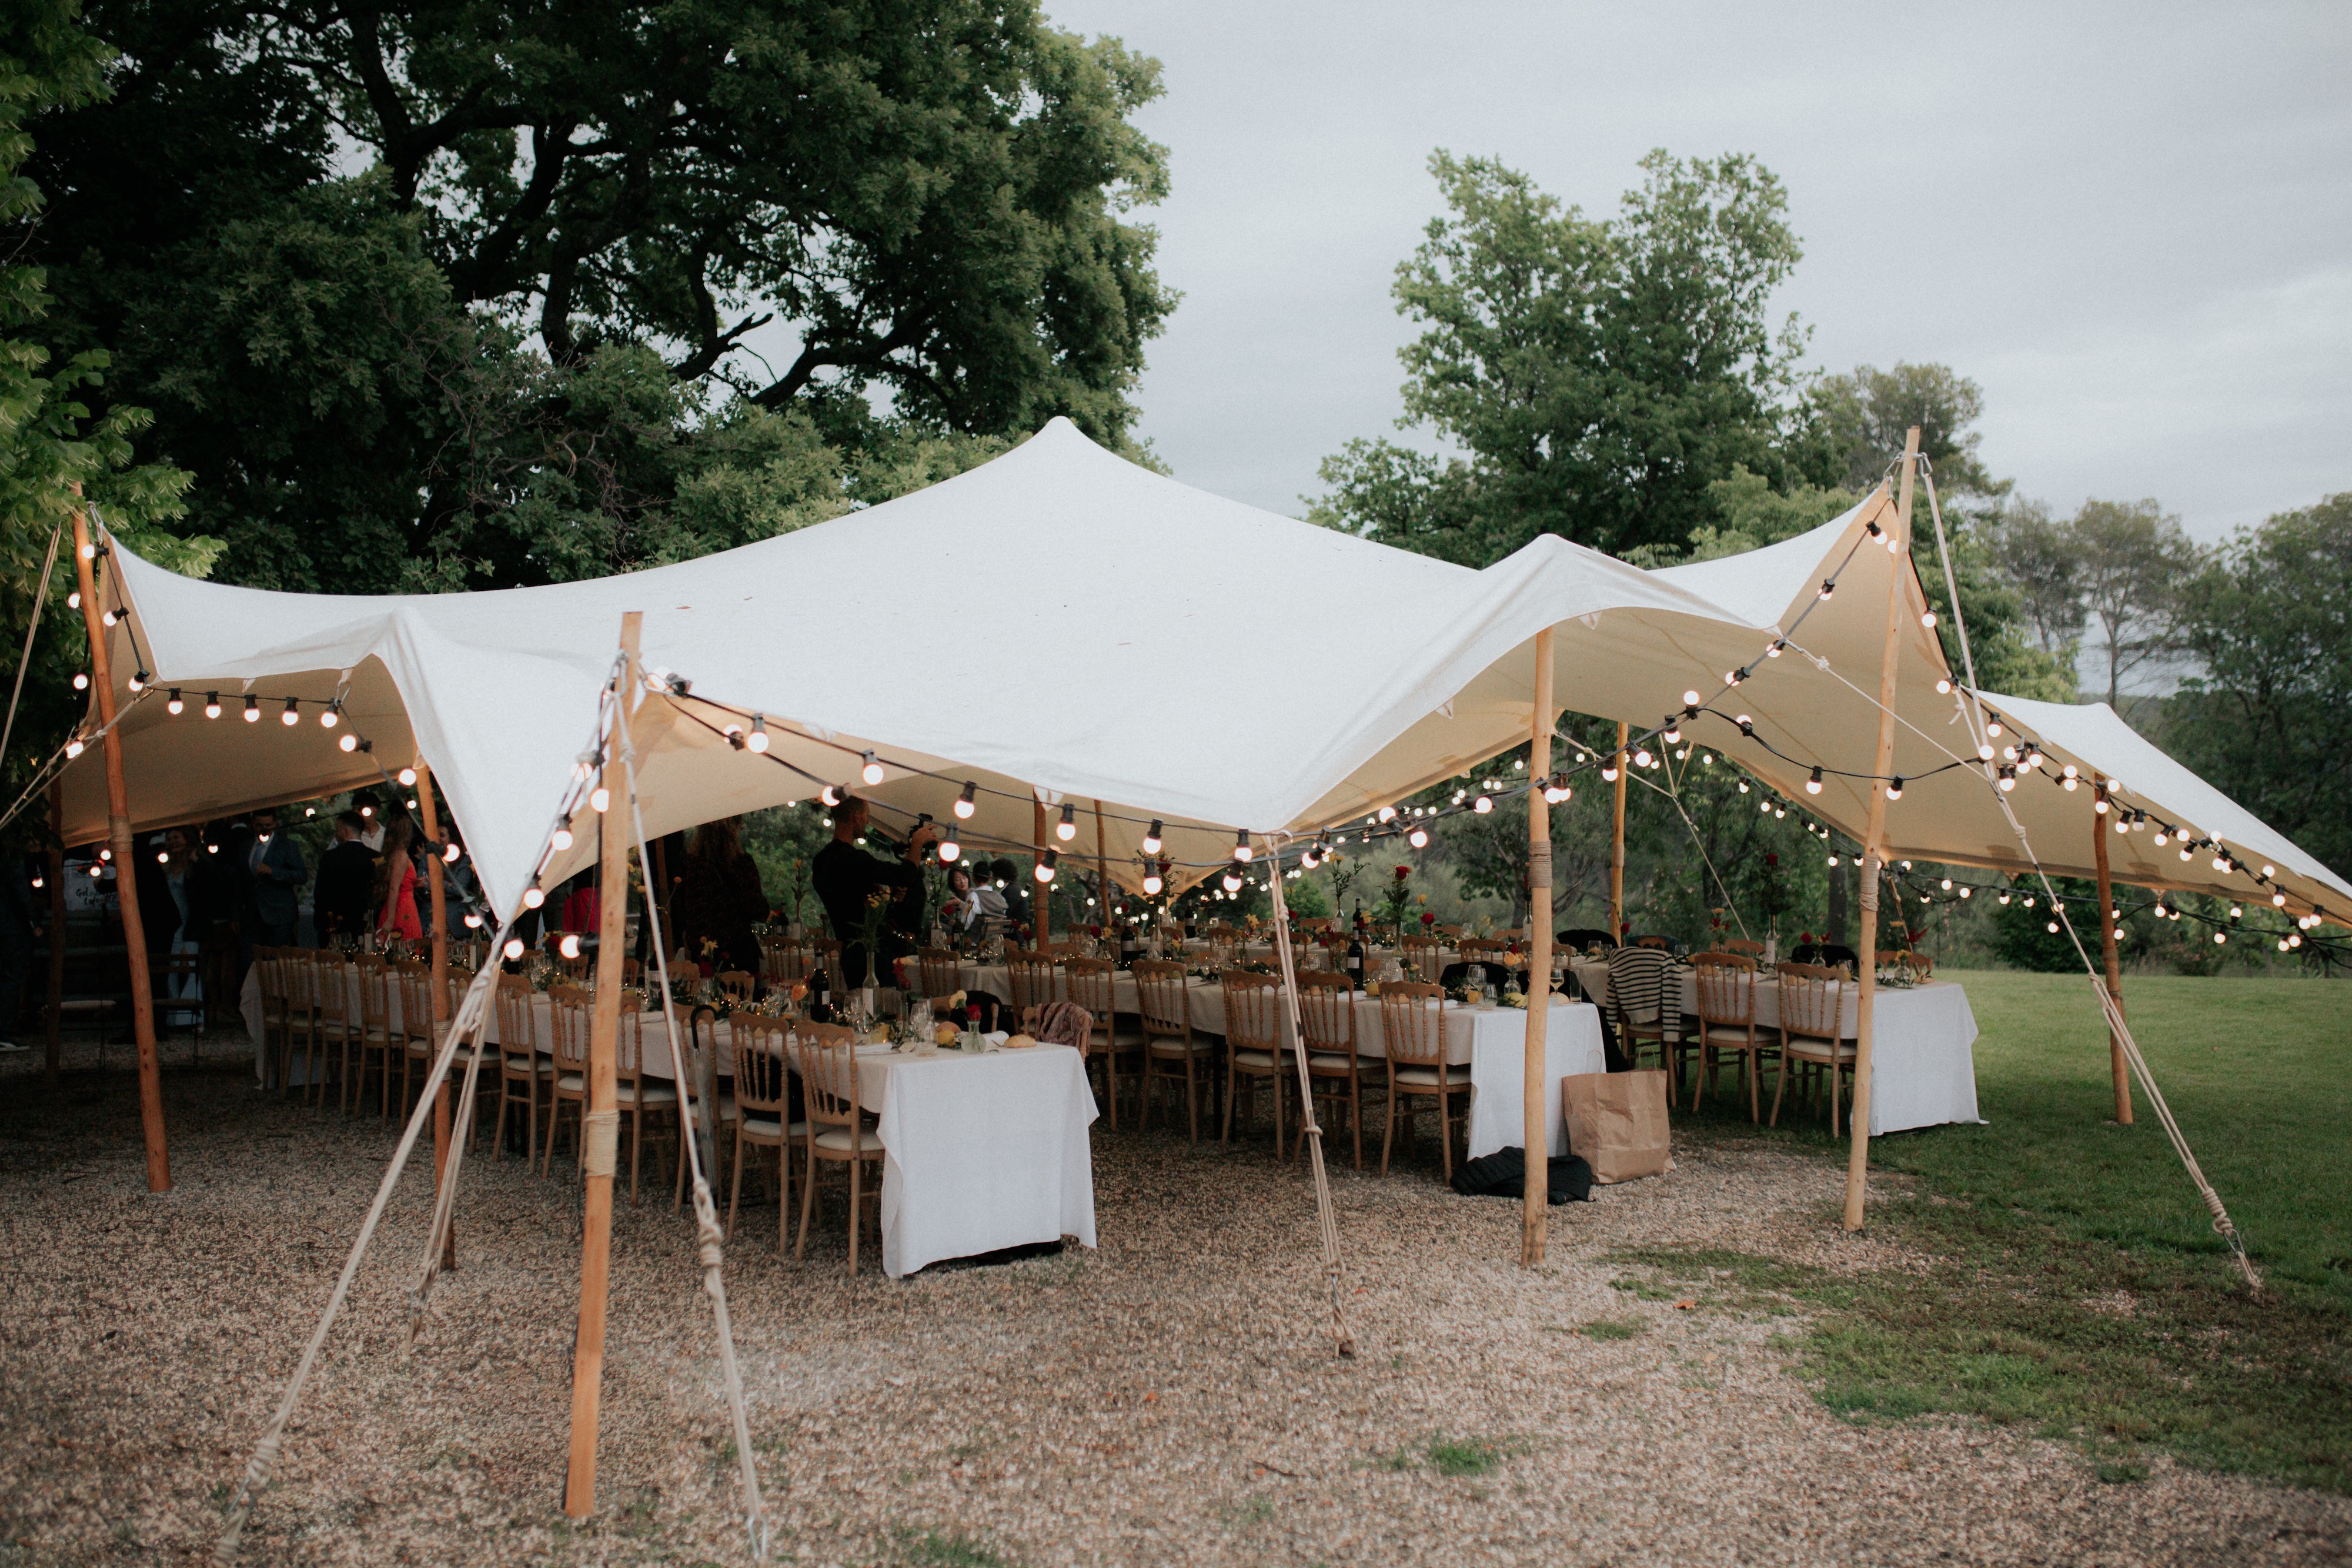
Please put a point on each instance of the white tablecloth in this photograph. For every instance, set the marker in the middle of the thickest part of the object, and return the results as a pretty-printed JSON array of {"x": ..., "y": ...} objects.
[
  {"x": 983, "y": 1152},
  {"x": 1923, "y": 1070}
]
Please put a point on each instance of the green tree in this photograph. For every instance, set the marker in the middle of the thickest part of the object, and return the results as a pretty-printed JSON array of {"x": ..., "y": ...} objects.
[
  {"x": 2269, "y": 621},
  {"x": 50, "y": 440},
  {"x": 1597, "y": 374},
  {"x": 516, "y": 343},
  {"x": 1863, "y": 418},
  {"x": 2022, "y": 936},
  {"x": 2130, "y": 559}
]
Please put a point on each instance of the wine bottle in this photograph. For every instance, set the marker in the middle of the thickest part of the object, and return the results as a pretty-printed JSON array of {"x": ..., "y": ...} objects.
[
  {"x": 820, "y": 997},
  {"x": 1356, "y": 960}
]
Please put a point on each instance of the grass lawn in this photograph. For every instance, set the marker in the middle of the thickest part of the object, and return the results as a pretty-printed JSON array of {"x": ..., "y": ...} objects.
[{"x": 2079, "y": 1285}]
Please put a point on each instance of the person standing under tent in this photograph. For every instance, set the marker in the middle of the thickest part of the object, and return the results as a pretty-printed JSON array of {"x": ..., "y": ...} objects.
[
  {"x": 396, "y": 884},
  {"x": 275, "y": 871},
  {"x": 344, "y": 899},
  {"x": 1007, "y": 880},
  {"x": 717, "y": 898},
  {"x": 845, "y": 877}
]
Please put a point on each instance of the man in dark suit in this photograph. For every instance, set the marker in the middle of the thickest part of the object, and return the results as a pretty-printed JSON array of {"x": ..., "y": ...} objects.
[
  {"x": 276, "y": 869},
  {"x": 346, "y": 891}
]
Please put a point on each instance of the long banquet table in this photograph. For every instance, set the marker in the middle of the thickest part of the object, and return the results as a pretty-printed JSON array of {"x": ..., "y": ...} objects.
[{"x": 1922, "y": 1059}]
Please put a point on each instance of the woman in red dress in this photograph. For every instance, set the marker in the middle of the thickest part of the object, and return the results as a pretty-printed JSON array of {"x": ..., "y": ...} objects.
[{"x": 396, "y": 884}]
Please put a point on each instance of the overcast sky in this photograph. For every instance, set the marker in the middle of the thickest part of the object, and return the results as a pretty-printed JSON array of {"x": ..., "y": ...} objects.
[{"x": 2131, "y": 226}]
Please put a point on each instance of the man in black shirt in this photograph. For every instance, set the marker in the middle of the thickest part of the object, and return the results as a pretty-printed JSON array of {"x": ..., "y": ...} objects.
[
  {"x": 845, "y": 876},
  {"x": 346, "y": 892}
]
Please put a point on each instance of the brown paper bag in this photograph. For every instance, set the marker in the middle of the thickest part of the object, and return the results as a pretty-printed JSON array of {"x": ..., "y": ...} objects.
[{"x": 1617, "y": 1121}]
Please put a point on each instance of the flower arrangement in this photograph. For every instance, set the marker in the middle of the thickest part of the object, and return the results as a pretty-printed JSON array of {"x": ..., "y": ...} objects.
[{"x": 1399, "y": 895}]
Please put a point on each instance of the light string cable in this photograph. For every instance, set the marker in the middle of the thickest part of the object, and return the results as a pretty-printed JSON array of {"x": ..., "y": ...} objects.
[
  {"x": 32, "y": 627},
  {"x": 72, "y": 747},
  {"x": 2107, "y": 1003},
  {"x": 710, "y": 1239},
  {"x": 1311, "y": 1126},
  {"x": 264, "y": 1462}
]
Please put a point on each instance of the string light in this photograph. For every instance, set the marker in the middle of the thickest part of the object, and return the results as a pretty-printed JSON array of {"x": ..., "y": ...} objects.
[
  {"x": 350, "y": 742},
  {"x": 407, "y": 776},
  {"x": 1242, "y": 850},
  {"x": 172, "y": 705},
  {"x": 1418, "y": 837},
  {"x": 75, "y": 748},
  {"x": 601, "y": 801},
  {"x": 569, "y": 945},
  {"x": 81, "y": 681},
  {"x": 1067, "y": 828},
  {"x": 1231, "y": 879},
  {"x": 73, "y": 600},
  {"x": 1150, "y": 839},
  {"x": 292, "y": 716},
  {"x": 110, "y": 618},
  {"x": 532, "y": 897},
  {"x": 139, "y": 681},
  {"x": 1894, "y": 789},
  {"x": 331, "y": 715},
  {"x": 830, "y": 795},
  {"x": 449, "y": 852},
  {"x": 212, "y": 705},
  {"x": 1813, "y": 784},
  {"x": 1482, "y": 805},
  {"x": 872, "y": 771},
  {"x": 1641, "y": 757},
  {"x": 513, "y": 948},
  {"x": 1928, "y": 620},
  {"x": 1152, "y": 885},
  {"x": 252, "y": 709},
  {"x": 950, "y": 851},
  {"x": 562, "y": 836},
  {"x": 758, "y": 740},
  {"x": 1387, "y": 814},
  {"x": 1046, "y": 867}
]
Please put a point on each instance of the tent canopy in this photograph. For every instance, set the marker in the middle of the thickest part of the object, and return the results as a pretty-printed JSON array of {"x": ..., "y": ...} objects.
[{"x": 1214, "y": 666}]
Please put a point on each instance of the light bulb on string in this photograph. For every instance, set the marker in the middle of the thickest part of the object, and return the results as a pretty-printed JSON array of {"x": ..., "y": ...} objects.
[
  {"x": 1641, "y": 757},
  {"x": 407, "y": 776},
  {"x": 964, "y": 805},
  {"x": 1242, "y": 850},
  {"x": 1609, "y": 770},
  {"x": 172, "y": 705},
  {"x": 1483, "y": 805},
  {"x": 601, "y": 801},
  {"x": 1813, "y": 784},
  {"x": 110, "y": 618},
  {"x": 1150, "y": 838},
  {"x": 1943, "y": 688},
  {"x": 350, "y": 742},
  {"x": 1992, "y": 725},
  {"x": 1743, "y": 786},
  {"x": 569, "y": 947},
  {"x": 532, "y": 897},
  {"x": 1418, "y": 837},
  {"x": 1779, "y": 813},
  {"x": 252, "y": 709},
  {"x": 1045, "y": 866},
  {"x": 830, "y": 795},
  {"x": 139, "y": 681},
  {"x": 74, "y": 747},
  {"x": 1231, "y": 880},
  {"x": 1387, "y": 814},
  {"x": 1895, "y": 787},
  {"x": 73, "y": 600},
  {"x": 331, "y": 715},
  {"x": 81, "y": 681},
  {"x": 1928, "y": 620},
  {"x": 1152, "y": 885},
  {"x": 1829, "y": 586},
  {"x": 513, "y": 949},
  {"x": 1067, "y": 828},
  {"x": 734, "y": 734},
  {"x": 450, "y": 852},
  {"x": 758, "y": 740},
  {"x": 292, "y": 716},
  {"x": 872, "y": 771}
]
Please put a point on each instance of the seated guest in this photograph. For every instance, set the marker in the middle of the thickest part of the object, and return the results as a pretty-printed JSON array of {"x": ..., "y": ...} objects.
[{"x": 971, "y": 910}]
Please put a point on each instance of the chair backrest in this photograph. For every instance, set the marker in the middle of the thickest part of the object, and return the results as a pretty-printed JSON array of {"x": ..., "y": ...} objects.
[
  {"x": 794, "y": 961},
  {"x": 517, "y": 1030},
  {"x": 1809, "y": 1000},
  {"x": 762, "y": 1066},
  {"x": 772, "y": 948},
  {"x": 1511, "y": 934},
  {"x": 567, "y": 1009},
  {"x": 1836, "y": 953},
  {"x": 1327, "y": 1010},
  {"x": 940, "y": 971},
  {"x": 1922, "y": 965},
  {"x": 737, "y": 986},
  {"x": 330, "y": 988},
  {"x": 1160, "y": 997},
  {"x": 1447, "y": 933},
  {"x": 825, "y": 950},
  {"x": 1423, "y": 956},
  {"x": 1090, "y": 986},
  {"x": 1252, "y": 1010},
  {"x": 828, "y": 1064},
  {"x": 1743, "y": 944},
  {"x": 1480, "y": 950},
  {"x": 1032, "y": 977},
  {"x": 413, "y": 977},
  {"x": 378, "y": 994},
  {"x": 1663, "y": 944},
  {"x": 1413, "y": 1032},
  {"x": 268, "y": 976},
  {"x": 1726, "y": 982}
]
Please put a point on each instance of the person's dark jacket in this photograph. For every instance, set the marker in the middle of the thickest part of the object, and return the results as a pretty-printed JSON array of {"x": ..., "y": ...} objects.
[
  {"x": 720, "y": 901},
  {"x": 844, "y": 875},
  {"x": 278, "y": 897},
  {"x": 345, "y": 896}
]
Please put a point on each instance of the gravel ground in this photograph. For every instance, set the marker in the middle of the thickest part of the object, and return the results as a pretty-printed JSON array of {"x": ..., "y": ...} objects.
[{"x": 1169, "y": 1398}]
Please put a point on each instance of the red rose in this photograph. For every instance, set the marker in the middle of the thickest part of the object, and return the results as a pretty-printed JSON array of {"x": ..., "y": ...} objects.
[
  {"x": 1428, "y": 917},
  {"x": 1771, "y": 860},
  {"x": 1403, "y": 872}
]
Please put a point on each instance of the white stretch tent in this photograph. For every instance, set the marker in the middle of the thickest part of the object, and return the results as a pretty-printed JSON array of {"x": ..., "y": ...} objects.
[
  {"x": 1815, "y": 716},
  {"x": 1212, "y": 664}
]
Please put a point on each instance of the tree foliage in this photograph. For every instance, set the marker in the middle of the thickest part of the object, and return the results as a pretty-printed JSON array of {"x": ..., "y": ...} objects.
[
  {"x": 447, "y": 293},
  {"x": 2269, "y": 620},
  {"x": 1597, "y": 374},
  {"x": 50, "y": 440}
]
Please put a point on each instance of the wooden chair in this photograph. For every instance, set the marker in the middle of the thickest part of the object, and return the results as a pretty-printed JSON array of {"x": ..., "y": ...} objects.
[
  {"x": 1447, "y": 933},
  {"x": 378, "y": 1040},
  {"x": 763, "y": 1108},
  {"x": 1413, "y": 1038},
  {"x": 520, "y": 1061},
  {"x": 1091, "y": 983},
  {"x": 1253, "y": 1048},
  {"x": 794, "y": 961},
  {"x": 268, "y": 979},
  {"x": 940, "y": 972},
  {"x": 1745, "y": 946},
  {"x": 1726, "y": 982},
  {"x": 838, "y": 1131},
  {"x": 1032, "y": 977},
  {"x": 299, "y": 975},
  {"x": 1810, "y": 995},
  {"x": 334, "y": 986},
  {"x": 1423, "y": 956},
  {"x": 567, "y": 1012},
  {"x": 636, "y": 1092},
  {"x": 1166, "y": 1010},
  {"x": 740, "y": 987},
  {"x": 1327, "y": 1012},
  {"x": 773, "y": 947},
  {"x": 1495, "y": 956},
  {"x": 1639, "y": 983},
  {"x": 826, "y": 951}
]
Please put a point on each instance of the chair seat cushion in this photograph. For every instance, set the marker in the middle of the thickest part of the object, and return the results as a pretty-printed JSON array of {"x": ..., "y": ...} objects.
[
  {"x": 1810, "y": 1050},
  {"x": 1258, "y": 1059},
  {"x": 1163, "y": 1046},
  {"x": 525, "y": 1066},
  {"x": 841, "y": 1141},
  {"x": 1721, "y": 1034},
  {"x": 772, "y": 1128},
  {"x": 1426, "y": 1078},
  {"x": 1330, "y": 1062},
  {"x": 727, "y": 1110},
  {"x": 572, "y": 1081},
  {"x": 647, "y": 1093}
]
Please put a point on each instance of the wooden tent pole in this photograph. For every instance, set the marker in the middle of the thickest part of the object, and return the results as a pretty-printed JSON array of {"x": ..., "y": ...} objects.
[
  {"x": 601, "y": 1121},
  {"x": 1617, "y": 850},
  {"x": 440, "y": 961},
  {"x": 1534, "y": 1215},
  {"x": 1874, "y": 849},
  {"x": 57, "y": 880},
  {"x": 126, "y": 875},
  {"x": 2099, "y": 830}
]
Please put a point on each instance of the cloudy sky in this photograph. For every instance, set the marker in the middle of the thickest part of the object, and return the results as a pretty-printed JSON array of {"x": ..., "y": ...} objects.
[{"x": 2132, "y": 226}]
